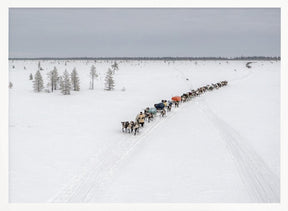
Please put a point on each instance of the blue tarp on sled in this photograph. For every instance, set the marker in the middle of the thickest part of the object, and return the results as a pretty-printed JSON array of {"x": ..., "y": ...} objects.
[
  {"x": 159, "y": 106},
  {"x": 152, "y": 110}
]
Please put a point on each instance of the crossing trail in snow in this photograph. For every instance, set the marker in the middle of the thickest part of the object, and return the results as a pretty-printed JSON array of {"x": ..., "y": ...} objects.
[{"x": 262, "y": 184}]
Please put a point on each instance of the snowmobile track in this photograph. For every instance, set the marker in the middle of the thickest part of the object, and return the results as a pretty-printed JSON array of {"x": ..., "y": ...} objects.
[
  {"x": 89, "y": 184},
  {"x": 262, "y": 184}
]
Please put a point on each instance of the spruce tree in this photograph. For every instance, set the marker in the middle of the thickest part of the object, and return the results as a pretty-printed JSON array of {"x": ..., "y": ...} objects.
[
  {"x": 65, "y": 84},
  {"x": 93, "y": 75},
  {"x": 75, "y": 80},
  {"x": 38, "y": 82},
  {"x": 109, "y": 81}
]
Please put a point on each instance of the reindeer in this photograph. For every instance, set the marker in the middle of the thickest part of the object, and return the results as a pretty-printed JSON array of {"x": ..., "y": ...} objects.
[
  {"x": 176, "y": 104},
  {"x": 163, "y": 112},
  {"x": 169, "y": 107},
  {"x": 130, "y": 127},
  {"x": 124, "y": 126},
  {"x": 150, "y": 117},
  {"x": 136, "y": 129}
]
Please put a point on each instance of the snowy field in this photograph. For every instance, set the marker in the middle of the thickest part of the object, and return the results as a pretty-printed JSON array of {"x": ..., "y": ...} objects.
[{"x": 223, "y": 146}]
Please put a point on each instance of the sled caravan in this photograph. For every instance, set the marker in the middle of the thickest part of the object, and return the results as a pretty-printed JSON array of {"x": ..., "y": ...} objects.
[{"x": 161, "y": 109}]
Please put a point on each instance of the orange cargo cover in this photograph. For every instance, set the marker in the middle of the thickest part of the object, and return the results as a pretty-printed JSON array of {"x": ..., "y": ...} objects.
[{"x": 176, "y": 98}]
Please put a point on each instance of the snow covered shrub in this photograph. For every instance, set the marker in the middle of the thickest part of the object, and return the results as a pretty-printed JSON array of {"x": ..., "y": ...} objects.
[
  {"x": 30, "y": 76},
  {"x": 10, "y": 85},
  {"x": 123, "y": 89}
]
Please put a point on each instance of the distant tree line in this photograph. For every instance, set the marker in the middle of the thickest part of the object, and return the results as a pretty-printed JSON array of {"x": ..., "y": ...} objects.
[{"x": 156, "y": 58}]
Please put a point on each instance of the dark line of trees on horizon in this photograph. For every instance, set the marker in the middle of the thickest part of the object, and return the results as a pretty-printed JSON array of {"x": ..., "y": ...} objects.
[{"x": 155, "y": 58}]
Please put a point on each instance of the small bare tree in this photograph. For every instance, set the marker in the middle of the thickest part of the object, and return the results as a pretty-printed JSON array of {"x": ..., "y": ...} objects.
[
  {"x": 114, "y": 67},
  {"x": 53, "y": 78},
  {"x": 93, "y": 75}
]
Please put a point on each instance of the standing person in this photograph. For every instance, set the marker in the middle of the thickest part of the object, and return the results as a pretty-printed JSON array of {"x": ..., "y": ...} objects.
[{"x": 141, "y": 119}]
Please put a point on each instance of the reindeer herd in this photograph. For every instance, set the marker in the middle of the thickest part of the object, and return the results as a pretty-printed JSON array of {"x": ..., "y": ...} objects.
[{"x": 161, "y": 109}]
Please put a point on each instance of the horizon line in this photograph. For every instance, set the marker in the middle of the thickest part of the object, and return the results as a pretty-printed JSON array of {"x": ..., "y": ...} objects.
[{"x": 145, "y": 58}]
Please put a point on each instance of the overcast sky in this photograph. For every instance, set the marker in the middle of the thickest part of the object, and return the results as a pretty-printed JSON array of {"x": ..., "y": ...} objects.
[{"x": 143, "y": 32}]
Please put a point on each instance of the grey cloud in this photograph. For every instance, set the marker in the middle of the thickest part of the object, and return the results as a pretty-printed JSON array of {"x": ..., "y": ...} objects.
[{"x": 143, "y": 32}]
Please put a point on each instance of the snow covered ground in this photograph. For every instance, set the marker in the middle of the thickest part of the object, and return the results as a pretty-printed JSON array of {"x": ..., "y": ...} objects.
[{"x": 223, "y": 146}]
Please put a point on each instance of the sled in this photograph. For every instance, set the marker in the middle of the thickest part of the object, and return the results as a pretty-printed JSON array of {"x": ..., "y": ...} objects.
[
  {"x": 176, "y": 98},
  {"x": 159, "y": 106},
  {"x": 170, "y": 103},
  {"x": 152, "y": 111}
]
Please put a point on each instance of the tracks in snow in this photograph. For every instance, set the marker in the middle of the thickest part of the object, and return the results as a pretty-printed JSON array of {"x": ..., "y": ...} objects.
[
  {"x": 262, "y": 184},
  {"x": 89, "y": 184}
]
